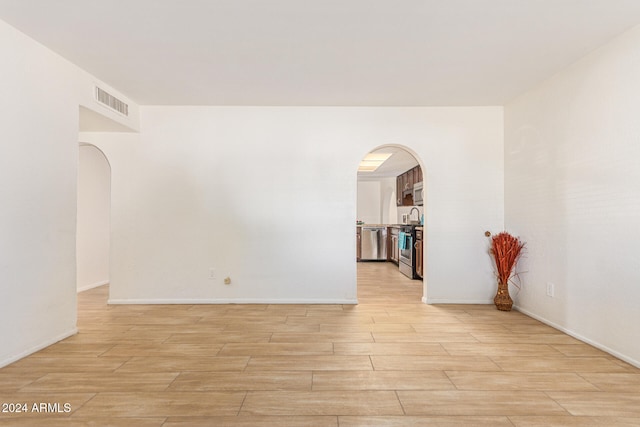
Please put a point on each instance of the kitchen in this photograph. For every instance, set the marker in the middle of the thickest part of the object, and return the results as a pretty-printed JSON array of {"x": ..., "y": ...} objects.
[{"x": 390, "y": 210}]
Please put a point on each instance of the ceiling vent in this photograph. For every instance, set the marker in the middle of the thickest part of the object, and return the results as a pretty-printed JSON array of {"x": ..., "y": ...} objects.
[{"x": 110, "y": 101}]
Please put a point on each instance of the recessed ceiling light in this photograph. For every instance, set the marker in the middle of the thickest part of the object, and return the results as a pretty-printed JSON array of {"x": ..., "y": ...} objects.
[{"x": 372, "y": 161}]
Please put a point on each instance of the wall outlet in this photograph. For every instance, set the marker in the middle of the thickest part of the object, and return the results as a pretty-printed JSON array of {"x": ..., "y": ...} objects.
[
  {"x": 212, "y": 274},
  {"x": 550, "y": 289}
]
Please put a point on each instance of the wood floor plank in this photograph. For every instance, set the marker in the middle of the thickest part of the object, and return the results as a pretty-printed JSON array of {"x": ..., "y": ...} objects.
[
  {"x": 370, "y": 327},
  {"x": 418, "y": 421},
  {"x": 433, "y": 363},
  {"x": 277, "y": 349},
  {"x": 535, "y": 328},
  {"x": 572, "y": 421},
  {"x": 344, "y": 318},
  {"x": 309, "y": 363},
  {"x": 598, "y": 404},
  {"x": 108, "y": 337},
  {"x": 389, "y": 349},
  {"x": 50, "y": 364},
  {"x": 512, "y": 338},
  {"x": 485, "y": 403},
  {"x": 580, "y": 350},
  {"x": 179, "y": 364},
  {"x": 83, "y": 422},
  {"x": 557, "y": 364},
  {"x": 176, "y": 329},
  {"x": 322, "y": 403},
  {"x": 253, "y": 421},
  {"x": 165, "y": 404},
  {"x": 626, "y": 366},
  {"x": 12, "y": 382},
  {"x": 165, "y": 319},
  {"x": 285, "y": 328},
  {"x": 484, "y": 349},
  {"x": 324, "y": 309},
  {"x": 242, "y": 381},
  {"x": 381, "y": 380},
  {"x": 492, "y": 316},
  {"x": 288, "y": 309},
  {"x": 71, "y": 349},
  {"x": 245, "y": 320},
  {"x": 442, "y": 336},
  {"x": 166, "y": 349},
  {"x": 457, "y": 328},
  {"x": 323, "y": 337},
  {"x": 213, "y": 337},
  {"x": 417, "y": 320},
  {"x": 244, "y": 309},
  {"x": 614, "y": 382},
  {"x": 99, "y": 382},
  {"x": 541, "y": 381}
]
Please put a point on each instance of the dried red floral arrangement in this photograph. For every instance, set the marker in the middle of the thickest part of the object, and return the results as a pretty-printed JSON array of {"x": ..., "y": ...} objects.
[{"x": 506, "y": 251}]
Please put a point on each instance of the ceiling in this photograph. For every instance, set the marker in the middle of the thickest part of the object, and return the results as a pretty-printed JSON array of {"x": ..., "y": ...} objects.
[
  {"x": 399, "y": 162},
  {"x": 323, "y": 52}
]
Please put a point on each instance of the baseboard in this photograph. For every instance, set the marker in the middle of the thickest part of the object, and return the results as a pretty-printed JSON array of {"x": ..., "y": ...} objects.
[
  {"x": 232, "y": 301},
  {"x": 92, "y": 285},
  {"x": 457, "y": 301},
  {"x": 577, "y": 336},
  {"x": 38, "y": 347}
]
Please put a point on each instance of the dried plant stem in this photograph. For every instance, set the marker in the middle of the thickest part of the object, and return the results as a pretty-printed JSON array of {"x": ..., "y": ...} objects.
[{"x": 506, "y": 251}]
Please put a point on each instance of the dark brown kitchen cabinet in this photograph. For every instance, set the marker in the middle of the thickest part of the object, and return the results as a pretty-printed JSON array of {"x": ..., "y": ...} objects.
[
  {"x": 399, "y": 186},
  {"x": 405, "y": 196},
  {"x": 404, "y": 186},
  {"x": 393, "y": 251},
  {"x": 410, "y": 180}
]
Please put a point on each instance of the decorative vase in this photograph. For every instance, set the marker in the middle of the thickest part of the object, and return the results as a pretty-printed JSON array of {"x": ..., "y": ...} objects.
[{"x": 502, "y": 300}]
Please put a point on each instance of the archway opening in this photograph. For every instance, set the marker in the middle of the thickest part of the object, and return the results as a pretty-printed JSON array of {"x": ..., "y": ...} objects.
[
  {"x": 390, "y": 232},
  {"x": 93, "y": 218}
]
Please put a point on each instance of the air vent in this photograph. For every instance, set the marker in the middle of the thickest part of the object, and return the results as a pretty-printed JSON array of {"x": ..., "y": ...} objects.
[{"x": 105, "y": 98}]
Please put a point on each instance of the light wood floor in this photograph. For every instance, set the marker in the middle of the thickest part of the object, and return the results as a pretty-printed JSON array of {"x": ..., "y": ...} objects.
[{"x": 389, "y": 361}]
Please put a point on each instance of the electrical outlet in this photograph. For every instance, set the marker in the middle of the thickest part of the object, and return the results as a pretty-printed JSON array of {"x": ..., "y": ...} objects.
[
  {"x": 550, "y": 289},
  {"x": 212, "y": 274}
]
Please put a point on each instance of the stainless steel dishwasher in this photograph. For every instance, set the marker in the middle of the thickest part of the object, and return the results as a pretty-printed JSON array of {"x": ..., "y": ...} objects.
[{"x": 374, "y": 243}]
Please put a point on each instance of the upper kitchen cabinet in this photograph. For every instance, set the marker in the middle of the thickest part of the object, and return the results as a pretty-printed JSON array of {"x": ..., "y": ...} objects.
[{"x": 404, "y": 186}]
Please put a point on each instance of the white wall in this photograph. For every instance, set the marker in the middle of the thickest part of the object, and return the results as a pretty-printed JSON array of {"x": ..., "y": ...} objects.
[
  {"x": 377, "y": 201},
  {"x": 268, "y": 197},
  {"x": 388, "y": 201},
  {"x": 369, "y": 208},
  {"x": 94, "y": 207},
  {"x": 573, "y": 194},
  {"x": 39, "y": 108},
  {"x": 410, "y": 211}
]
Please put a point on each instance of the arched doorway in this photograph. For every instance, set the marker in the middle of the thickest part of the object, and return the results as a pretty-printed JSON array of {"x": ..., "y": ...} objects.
[
  {"x": 390, "y": 234},
  {"x": 93, "y": 218}
]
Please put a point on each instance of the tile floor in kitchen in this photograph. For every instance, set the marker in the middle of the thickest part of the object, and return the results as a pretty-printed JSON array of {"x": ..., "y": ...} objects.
[{"x": 390, "y": 360}]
